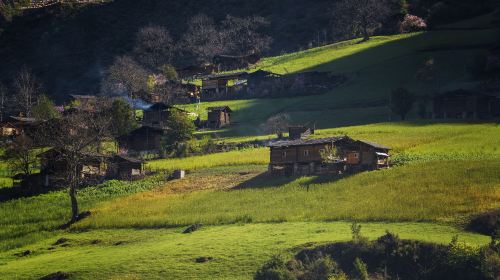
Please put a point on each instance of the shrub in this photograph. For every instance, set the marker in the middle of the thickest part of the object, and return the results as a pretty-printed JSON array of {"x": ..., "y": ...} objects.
[
  {"x": 274, "y": 269},
  {"x": 412, "y": 23},
  {"x": 485, "y": 223}
]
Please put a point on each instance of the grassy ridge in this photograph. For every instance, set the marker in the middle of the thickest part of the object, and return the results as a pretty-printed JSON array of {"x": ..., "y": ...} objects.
[{"x": 237, "y": 250}]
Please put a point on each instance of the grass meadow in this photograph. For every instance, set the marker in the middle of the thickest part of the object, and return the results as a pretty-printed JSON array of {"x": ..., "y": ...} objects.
[
  {"x": 430, "y": 191},
  {"x": 237, "y": 250}
]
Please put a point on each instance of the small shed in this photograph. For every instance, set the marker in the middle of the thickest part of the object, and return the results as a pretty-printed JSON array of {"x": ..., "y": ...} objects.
[
  {"x": 125, "y": 168},
  {"x": 146, "y": 139},
  {"x": 219, "y": 116}
]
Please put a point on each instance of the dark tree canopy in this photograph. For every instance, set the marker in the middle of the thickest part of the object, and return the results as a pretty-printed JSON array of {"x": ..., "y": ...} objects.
[
  {"x": 154, "y": 46},
  {"x": 359, "y": 17}
]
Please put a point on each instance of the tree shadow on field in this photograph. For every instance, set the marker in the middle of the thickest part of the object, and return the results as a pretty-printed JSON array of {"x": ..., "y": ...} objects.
[{"x": 267, "y": 180}]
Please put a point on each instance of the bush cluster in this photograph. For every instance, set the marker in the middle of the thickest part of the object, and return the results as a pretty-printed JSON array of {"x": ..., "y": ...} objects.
[{"x": 388, "y": 257}]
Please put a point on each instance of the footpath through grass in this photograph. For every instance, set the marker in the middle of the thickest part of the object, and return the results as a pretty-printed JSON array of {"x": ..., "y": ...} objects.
[{"x": 237, "y": 250}]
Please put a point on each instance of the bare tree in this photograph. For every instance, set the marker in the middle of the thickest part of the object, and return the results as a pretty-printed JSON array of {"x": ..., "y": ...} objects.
[
  {"x": 242, "y": 35},
  {"x": 21, "y": 155},
  {"x": 154, "y": 46},
  {"x": 202, "y": 39},
  {"x": 73, "y": 138},
  {"x": 125, "y": 76},
  {"x": 359, "y": 17},
  {"x": 26, "y": 92},
  {"x": 277, "y": 124}
]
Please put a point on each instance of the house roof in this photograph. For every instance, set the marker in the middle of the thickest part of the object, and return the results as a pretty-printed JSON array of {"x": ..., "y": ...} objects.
[
  {"x": 373, "y": 144},
  {"x": 307, "y": 142},
  {"x": 23, "y": 119},
  {"x": 129, "y": 159},
  {"x": 220, "y": 108},
  {"x": 228, "y": 76}
]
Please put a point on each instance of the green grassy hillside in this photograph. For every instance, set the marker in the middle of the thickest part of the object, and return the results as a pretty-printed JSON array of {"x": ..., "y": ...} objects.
[
  {"x": 374, "y": 69},
  {"x": 449, "y": 174}
]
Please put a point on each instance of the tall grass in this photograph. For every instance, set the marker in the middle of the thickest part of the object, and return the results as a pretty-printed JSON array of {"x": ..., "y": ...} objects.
[
  {"x": 431, "y": 191},
  {"x": 239, "y": 157}
]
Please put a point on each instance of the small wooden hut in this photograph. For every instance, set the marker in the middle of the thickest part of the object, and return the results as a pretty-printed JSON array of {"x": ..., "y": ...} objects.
[
  {"x": 125, "y": 168},
  {"x": 218, "y": 116}
]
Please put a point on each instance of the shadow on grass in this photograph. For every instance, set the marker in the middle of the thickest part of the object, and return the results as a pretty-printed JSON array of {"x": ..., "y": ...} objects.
[{"x": 267, "y": 180}]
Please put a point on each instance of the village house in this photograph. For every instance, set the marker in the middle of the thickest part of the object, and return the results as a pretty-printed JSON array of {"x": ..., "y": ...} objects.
[
  {"x": 218, "y": 116},
  {"x": 142, "y": 141},
  {"x": 308, "y": 157},
  {"x": 464, "y": 104},
  {"x": 14, "y": 126},
  {"x": 125, "y": 168},
  {"x": 221, "y": 85},
  {"x": 53, "y": 169},
  {"x": 158, "y": 114}
]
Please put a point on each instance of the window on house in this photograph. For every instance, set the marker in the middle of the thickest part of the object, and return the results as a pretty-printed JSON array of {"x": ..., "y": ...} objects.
[
  {"x": 306, "y": 153},
  {"x": 283, "y": 153}
]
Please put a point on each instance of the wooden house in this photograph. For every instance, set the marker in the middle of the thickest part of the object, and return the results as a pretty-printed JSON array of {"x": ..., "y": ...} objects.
[
  {"x": 144, "y": 140},
  {"x": 464, "y": 104},
  {"x": 218, "y": 116},
  {"x": 84, "y": 102},
  {"x": 299, "y": 132},
  {"x": 14, "y": 126},
  {"x": 54, "y": 168},
  {"x": 125, "y": 168},
  {"x": 307, "y": 157},
  {"x": 217, "y": 86},
  {"x": 158, "y": 114}
]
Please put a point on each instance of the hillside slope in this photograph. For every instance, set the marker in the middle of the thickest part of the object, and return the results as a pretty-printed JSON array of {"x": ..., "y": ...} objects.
[{"x": 374, "y": 69}]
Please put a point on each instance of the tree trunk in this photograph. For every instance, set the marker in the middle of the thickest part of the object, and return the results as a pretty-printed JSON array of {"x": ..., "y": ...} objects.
[{"x": 74, "y": 203}]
